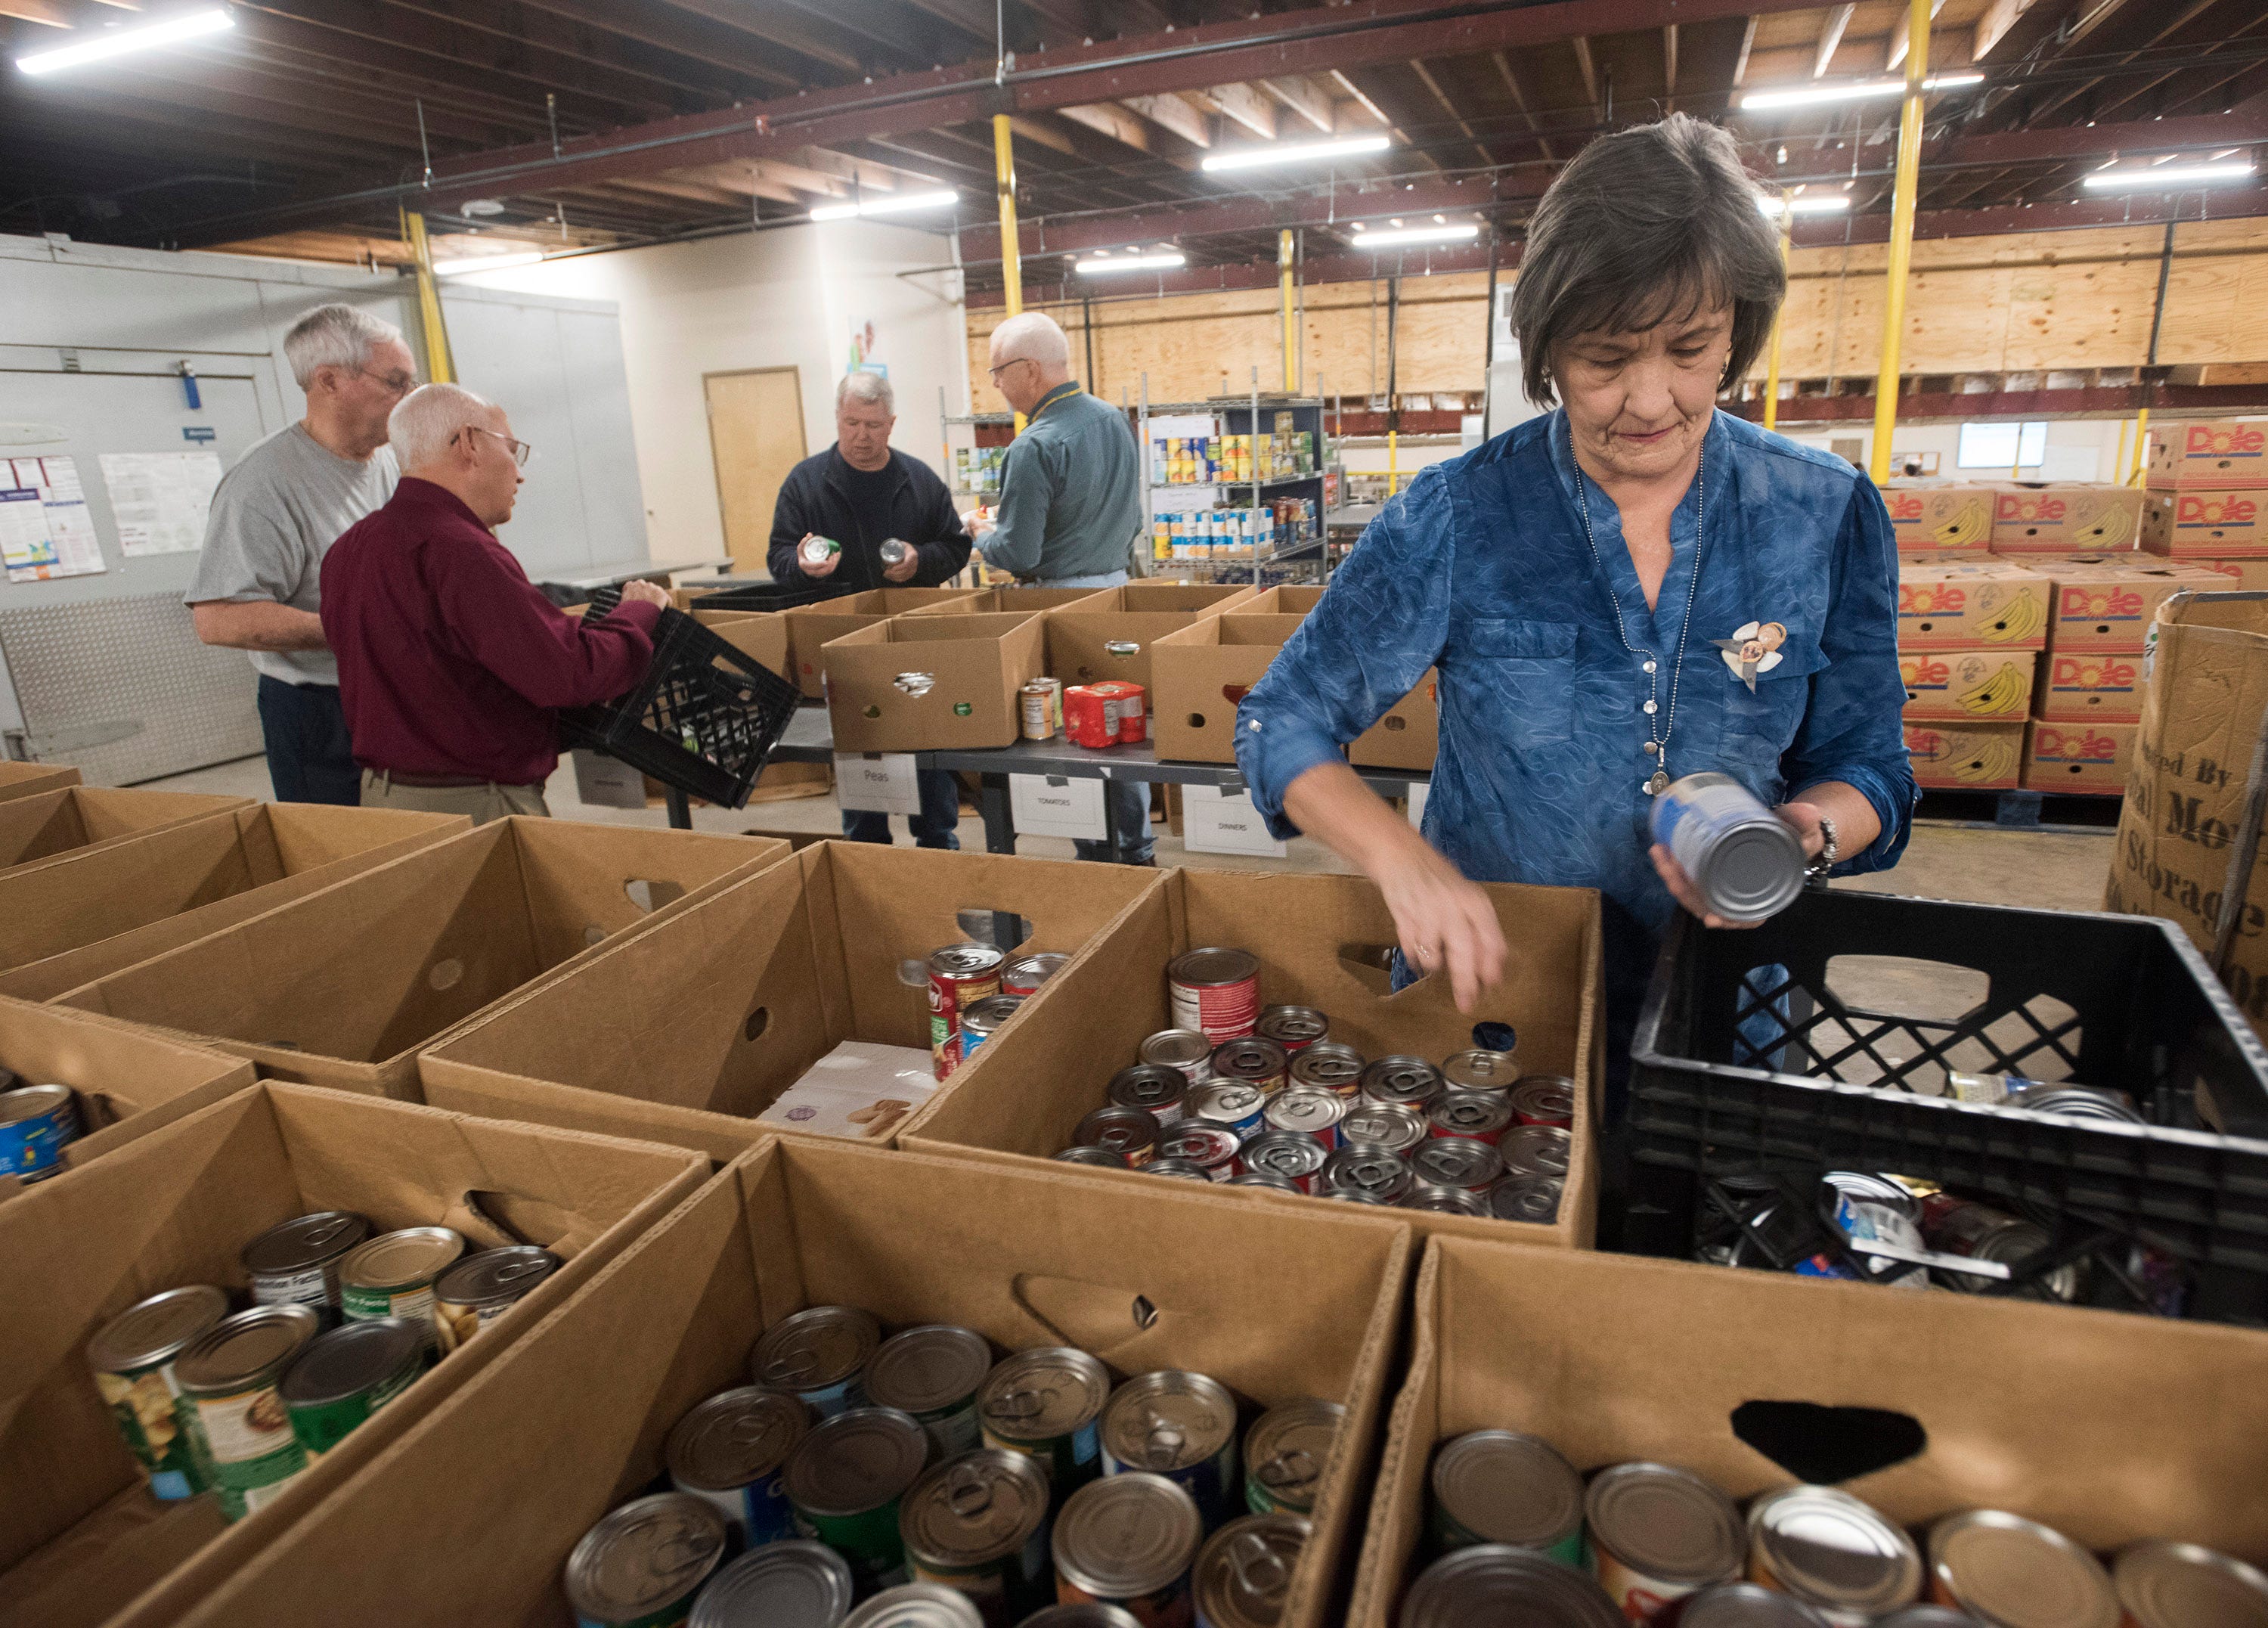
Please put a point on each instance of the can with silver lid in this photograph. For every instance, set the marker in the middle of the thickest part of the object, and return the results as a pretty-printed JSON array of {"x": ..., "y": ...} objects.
[
  {"x": 1186, "y": 1050},
  {"x": 484, "y": 1286},
  {"x": 1268, "y": 1179},
  {"x": 1180, "y": 1426},
  {"x": 977, "y": 1524},
  {"x": 1532, "y": 1197},
  {"x": 1285, "y": 1454},
  {"x": 981, "y": 1021},
  {"x": 820, "y": 1355},
  {"x": 960, "y": 975},
  {"x": 1746, "y": 862},
  {"x": 2168, "y": 1585},
  {"x": 2080, "y": 1102},
  {"x": 1329, "y": 1064},
  {"x": 793, "y": 1583},
  {"x": 1657, "y": 1533},
  {"x": 1023, "y": 976},
  {"x": 1251, "y": 1060},
  {"x": 1309, "y": 1110},
  {"x": 1544, "y": 1100},
  {"x": 392, "y": 1275},
  {"x": 1047, "y": 1402},
  {"x": 1381, "y": 1125},
  {"x": 132, "y": 1355},
  {"x": 1130, "y": 1133},
  {"x": 816, "y": 550},
  {"x": 346, "y": 1375},
  {"x": 643, "y": 1563},
  {"x": 1535, "y": 1150},
  {"x": 1212, "y": 1149},
  {"x": 1086, "y": 1614},
  {"x": 1478, "y": 1071},
  {"x": 1402, "y": 1082},
  {"x": 1837, "y": 1555},
  {"x": 913, "y": 1605},
  {"x": 296, "y": 1262},
  {"x": 1295, "y": 1028},
  {"x": 732, "y": 1450},
  {"x": 1472, "y": 1115},
  {"x": 1188, "y": 1170},
  {"x": 36, "y": 1123},
  {"x": 1496, "y": 1583},
  {"x": 1215, "y": 992},
  {"x": 1103, "y": 1158},
  {"x": 1129, "y": 1541},
  {"x": 1499, "y": 1486},
  {"x": 1444, "y": 1201},
  {"x": 1927, "y": 1616},
  {"x": 1464, "y": 1162},
  {"x": 1367, "y": 1174},
  {"x": 1245, "y": 1570},
  {"x": 2010, "y": 1573},
  {"x": 1963, "y": 1227},
  {"x": 244, "y": 1431},
  {"x": 933, "y": 1372},
  {"x": 1155, "y": 1088},
  {"x": 1231, "y": 1105},
  {"x": 845, "y": 1481},
  {"x": 1745, "y": 1605},
  {"x": 1291, "y": 1157}
]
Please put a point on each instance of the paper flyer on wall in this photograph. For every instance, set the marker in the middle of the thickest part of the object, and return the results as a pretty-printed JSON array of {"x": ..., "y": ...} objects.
[
  {"x": 46, "y": 530},
  {"x": 159, "y": 500}
]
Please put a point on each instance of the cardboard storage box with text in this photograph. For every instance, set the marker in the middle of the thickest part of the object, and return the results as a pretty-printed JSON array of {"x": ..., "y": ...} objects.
[
  {"x": 2104, "y": 601},
  {"x": 2065, "y": 517},
  {"x": 1964, "y": 685},
  {"x": 2078, "y": 757},
  {"x": 1967, "y": 757},
  {"x": 2206, "y": 524},
  {"x": 2209, "y": 454},
  {"x": 1984, "y": 604},
  {"x": 1939, "y": 518}
]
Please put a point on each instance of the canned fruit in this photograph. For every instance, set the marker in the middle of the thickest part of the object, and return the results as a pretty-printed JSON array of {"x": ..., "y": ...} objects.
[
  {"x": 132, "y": 1355},
  {"x": 36, "y": 1123},
  {"x": 642, "y": 1565},
  {"x": 484, "y": 1286},
  {"x": 731, "y": 1450}
]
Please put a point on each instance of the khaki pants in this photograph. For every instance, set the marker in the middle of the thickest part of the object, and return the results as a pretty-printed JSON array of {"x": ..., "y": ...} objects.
[{"x": 484, "y": 803}]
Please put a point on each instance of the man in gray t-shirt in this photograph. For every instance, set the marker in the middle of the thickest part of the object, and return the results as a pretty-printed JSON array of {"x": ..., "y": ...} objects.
[{"x": 258, "y": 584}]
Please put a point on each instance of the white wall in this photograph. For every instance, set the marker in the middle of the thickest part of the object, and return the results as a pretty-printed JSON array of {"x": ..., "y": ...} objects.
[
  {"x": 786, "y": 297},
  {"x": 2078, "y": 449}
]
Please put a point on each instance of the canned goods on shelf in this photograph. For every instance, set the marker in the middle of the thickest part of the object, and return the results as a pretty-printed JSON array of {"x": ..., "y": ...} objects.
[
  {"x": 1462, "y": 1163},
  {"x": 36, "y": 1123},
  {"x": 908, "y": 1605},
  {"x": 1228, "y": 1105},
  {"x": 1132, "y": 1133},
  {"x": 1531, "y": 1198},
  {"x": 392, "y": 1275},
  {"x": 1832, "y": 1552},
  {"x": 1245, "y": 1570},
  {"x": 793, "y": 1583},
  {"x": 1372, "y": 1174},
  {"x": 1478, "y": 1071},
  {"x": 1310, "y": 1110},
  {"x": 845, "y": 1480},
  {"x": 1285, "y": 1454},
  {"x": 243, "y": 1430},
  {"x": 296, "y": 1262},
  {"x": 344, "y": 1377},
  {"x": 1499, "y": 1486},
  {"x": 973, "y": 1522},
  {"x": 932, "y": 1371},
  {"x": 1268, "y": 1179},
  {"x": 1535, "y": 1150},
  {"x": 1402, "y": 1082},
  {"x": 132, "y": 1355},
  {"x": 1216, "y": 991},
  {"x": 645, "y": 1562},
  {"x": 1128, "y": 1540},
  {"x": 1495, "y": 1583},
  {"x": 1291, "y": 1156},
  {"x": 1180, "y": 1426},
  {"x": 1469, "y": 1116},
  {"x": 1253, "y": 1061},
  {"x": 1746, "y": 862},
  {"x": 982, "y": 1020},
  {"x": 483, "y": 1286},
  {"x": 1330, "y": 1065},
  {"x": 1125, "y": 712},
  {"x": 1751, "y": 1605},
  {"x": 732, "y": 1450},
  {"x": 2168, "y": 1585},
  {"x": 1103, "y": 1158},
  {"x": 1657, "y": 1534},
  {"x": 1024, "y": 975},
  {"x": 2002, "y": 1568},
  {"x": 1544, "y": 1100},
  {"x": 820, "y": 1355},
  {"x": 1381, "y": 1125},
  {"x": 1186, "y": 1169},
  {"x": 1153, "y": 1087},
  {"x": 1294, "y": 1028},
  {"x": 1186, "y": 1050}
]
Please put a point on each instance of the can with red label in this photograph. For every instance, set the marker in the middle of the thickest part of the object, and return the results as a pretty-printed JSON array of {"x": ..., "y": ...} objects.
[
  {"x": 1383, "y": 1125},
  {"x": 1294, "y": 1028},
  {"x": 1184, "y": 1051},
  {"x": 1481, "y": 1116},
  {"x": 1333, "y": 1067},
  {"x": 1216, "y": 990},
  {"x": 1250, "y": 1060},
  {"x": 1369, "y": 1175},
  {"x": 1404, "y": 1082},
  {"x": 1657, "y": 1533},
  {"x": 1208, "y": 1148},
  {"x": 1230, "y": 1104},
  {"x": 1544, "y": 1100},
  {"x": 1307, "y": 1110},
  {"x": 1091, "y": 718},
  {"x": 1024, "y": 975},
  {"x": 1126, "y": 702},
  {"x": 1151, "y": 1086},
  {"x": 1478, "y": 1071},
  {"x": 960, "y": 975},
  {"x": 1291, "y": 1156},
  {"x": 1130, "y": 1133}
]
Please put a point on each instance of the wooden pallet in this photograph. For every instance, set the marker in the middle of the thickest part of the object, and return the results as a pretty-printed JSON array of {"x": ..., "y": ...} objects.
[{"x": 2093, "y": 812}]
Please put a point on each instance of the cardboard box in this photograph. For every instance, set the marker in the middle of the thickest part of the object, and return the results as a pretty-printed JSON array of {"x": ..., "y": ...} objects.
[
  {"x": 1938, "y": 517},
  {"x": 811, "y": 626},
  {"x": 1110, "y": 639},
  {"x": 80, "y": 1535},
  {"x": 41, "y": 826},
  {"x": 2244, "y": 575},
  {"x": 685, "y": 1032},
  {"x": 1024, "y": 600},
  {"x": 2078, "y": 758},
  {"x": 2065, "y": 517},
  {"x": 1984, "y": 604},
  {"x": 1323, "y": 942},
  {"x": 2108, "y": 1428},
  {"x": 2104, "y": 685},
  {"x": 99, "y": 909},
  {"x": 130, "y": 1080},
  {"x": 446, "y": 1529},
  {"x": 761, "y": 636},
  {"x": 1201, "y": 673},
  {"x": 1967, "y": 757},
  {"x": 2206, "y": 525},
  {"x": 1962, "y": 686},
  {"x": 2104, "y": 601},
  {"x": 2211, "y": 454},
  {"x": 974, "y": 664},
  {"x": 345, "y": 986},
  {"x": 22, "y": 779}
]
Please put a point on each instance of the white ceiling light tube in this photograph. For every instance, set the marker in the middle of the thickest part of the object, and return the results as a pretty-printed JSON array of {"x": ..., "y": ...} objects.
[
  {"x": 1103, "y": 265},
  {"x": 2168, "y": 176},
  {"x": 887, "y": 203},
  {"x": 1464, "y": 233},
  {"x": 484, "y": 263},
  {"x": 1816, "y": 204},
  {"x": 121, "y": 42},
  {"x": 1815, "y": 95},
  {"x": 1300, "y": 152}
]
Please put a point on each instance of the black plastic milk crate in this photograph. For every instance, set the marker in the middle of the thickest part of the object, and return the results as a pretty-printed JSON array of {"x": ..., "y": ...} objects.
[
  {"x": 762, "y": 596},
  {"x": 1822, "y": 1039},
  {"x": 703, "y": 719}
]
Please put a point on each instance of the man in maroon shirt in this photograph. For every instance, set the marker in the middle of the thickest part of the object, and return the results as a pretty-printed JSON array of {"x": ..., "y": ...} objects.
[{"x": 452, "y": 666}]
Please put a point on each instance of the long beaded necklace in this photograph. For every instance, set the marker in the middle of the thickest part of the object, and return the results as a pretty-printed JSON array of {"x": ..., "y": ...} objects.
[{"x": 1657, "y": 746}]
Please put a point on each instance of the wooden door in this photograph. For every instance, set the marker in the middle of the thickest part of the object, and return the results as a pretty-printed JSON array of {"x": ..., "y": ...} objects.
[{"x": 755, "y": 437}]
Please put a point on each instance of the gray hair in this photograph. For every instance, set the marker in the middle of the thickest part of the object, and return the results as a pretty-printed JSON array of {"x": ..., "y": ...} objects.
[
  {"x": 333, "y": 336},
  {"x": 1645, "y": 225},
  {"x": 866, "y": 386},
  {"x": 428, "y": 418},
  {"x": 1032, "y": 336}
]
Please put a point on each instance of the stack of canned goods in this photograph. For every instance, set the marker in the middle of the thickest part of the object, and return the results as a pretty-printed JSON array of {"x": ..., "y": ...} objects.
[
  {"x": 36, "y": 1123},
  {"x": 948, "y": 1487},
  {"x": 341, "y": 1322},
  {"x": 973, "y": 990},
  {"x": 1522, "y": 1537},
  {"x": 1108, "y": 712}
]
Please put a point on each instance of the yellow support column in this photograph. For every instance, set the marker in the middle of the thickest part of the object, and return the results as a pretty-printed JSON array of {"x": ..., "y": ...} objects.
[
  {"x": 437, "y": 368},
  {"x": 2141, "y": 436},
  {"x": 1012, "y": 264},
  {"x": 1291, "y": 326},
  {"x": 1902, "y": 218},
  {"x": 1779, "y": 317}
]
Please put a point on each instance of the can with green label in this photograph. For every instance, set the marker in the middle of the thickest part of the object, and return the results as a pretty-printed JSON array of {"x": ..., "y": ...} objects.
[
  {"x": 393, "y": 1275},
  {"x": 932, "y": 1372},
  {"x": 846, "y": 1480},
  {"x": 229, "y": 1379},
  {"x": 1285, "y": 1454},
  {"x": 350, "y": 1374},
  {"x": 133, "y": 1357}
]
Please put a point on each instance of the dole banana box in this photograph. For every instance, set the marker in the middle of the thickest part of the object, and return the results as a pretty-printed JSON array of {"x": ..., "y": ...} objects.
[
  {"x": 2220, "y": 454},
  {"x": 2063, "y": 517},
  {"x": 2091, "y": 756},
  {"x": 2206, "y": 524},
  {"x": 1971, "y": 605},
  {"x": 2249, "y": 575},
  {"x": 1960, "y": 685},
  {"x": 2104, "y": 601},
  {"x": 2081, "y": 686},
  {"x": 1970, "y": 757},
  {"x": 1940, "y": 517}
]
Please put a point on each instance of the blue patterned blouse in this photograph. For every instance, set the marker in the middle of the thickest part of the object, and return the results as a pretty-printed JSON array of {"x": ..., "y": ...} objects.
[{"x": 1481, "y": 571}]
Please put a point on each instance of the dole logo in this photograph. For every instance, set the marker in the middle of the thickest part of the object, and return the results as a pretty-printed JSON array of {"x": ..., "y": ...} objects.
[
  {"x": 2222, "y": 440},
  {"x": 1925, "y": 744},
  {"x": 1922, "y": 670},
  {"x": 2085, "y": 604},
  {"x": 2085, "y": 745},
  {"x": 2215, "y": 509},
  {"x": 2028, "y": 506},
  {"x": 2103, "y": 673},
  {"x": 1905, "y": 506},
  {"x": 1931, "y": 599}
]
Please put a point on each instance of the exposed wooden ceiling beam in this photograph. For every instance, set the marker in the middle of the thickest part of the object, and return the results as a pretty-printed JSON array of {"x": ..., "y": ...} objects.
[
  {"x": 1830, "y": 36},
  {"x": 1111, "y": 120},
  {"x": 775, "y": 25},
  {"x": 679, "y": 81},
  {"x": 1304, "y": 97},
  {"x": 690, "y": 35},
  {"x": 1519, "y": 99},
  {"x": 1426, "y": 78},
  {"x": 45, "y": 11},
  {"x": 1582, "y": 49},
  {"x": 1243, "y": 104},
  {"x": 1900, "y": 29},
  {"x": 1748, "y": 44},
  {"x": 1173, "y": 115}
]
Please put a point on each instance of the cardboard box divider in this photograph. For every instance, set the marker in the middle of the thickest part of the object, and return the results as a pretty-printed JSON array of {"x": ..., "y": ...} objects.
[
  {"x": 1967, "y": 757},
  {"x": 443, "y": 1527},
  {"x": 2109, "y": 1428},
  {"x": 80, "y": 1535},
  {"x": 1967, "y": 686},
  {"x": 973, "y": 663},
  {"x": 1983, "y": 604},
  {"x": 345, "y": 986},
  {"x": 1022, "y": 600},
  {"x": 18, "y": 779},
  {"x": 44, "y": 826},
  {"x": 98, "y": 910},
  {"x": 811, "y": 626},
  {"x": 761, "y": 636},
  {"x": 1322, "y": 942},
  {"x": 684, "y": 1031},
  {"x": 2219, "y": 454}
]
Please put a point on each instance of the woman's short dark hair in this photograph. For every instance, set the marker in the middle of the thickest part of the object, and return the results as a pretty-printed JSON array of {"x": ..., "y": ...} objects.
[{"x": 1645, "y": 226}]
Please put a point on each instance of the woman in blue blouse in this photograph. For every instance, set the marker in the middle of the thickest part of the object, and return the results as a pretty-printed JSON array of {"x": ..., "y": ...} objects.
[{"x": 1632, "y": 588}]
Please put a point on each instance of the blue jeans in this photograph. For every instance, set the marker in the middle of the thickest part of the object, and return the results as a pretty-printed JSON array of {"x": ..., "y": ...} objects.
[
  {"x": 934, "y": 827},
  {"x": 310, "y": 755},
  {"x": 1130, "y": 810}
]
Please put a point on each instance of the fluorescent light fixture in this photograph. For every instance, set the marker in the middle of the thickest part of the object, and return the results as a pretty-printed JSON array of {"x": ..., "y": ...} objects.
[
  {"x": 480, "y": 208},
  {"x": 1465, "y": 234},
  {"x": 1812, "y": 95},
  {"x": 119, "y": 41},
  {"x": 887, "y": 203},
  {"x": 2168, "y": 176},
  {"x": 1816, "y": 203},
  {"x": 1299, "y": 152},
  {"x": 484, "y": 263},
  {"x": 1104, "y": 264}
]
